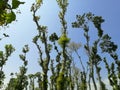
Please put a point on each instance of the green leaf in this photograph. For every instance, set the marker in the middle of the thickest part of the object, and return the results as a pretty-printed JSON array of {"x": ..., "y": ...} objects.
[
  {"x": 2, "y": 5},
  {"x": 63, "y": 40},
  {"x": 39, "y": 2},
  {"x": 16, "y": 3},
  {"x": 53, "y": 37},
  {"x": 22, "y": 57},
  {"x": 1, "y": 54},
  {"x": 10, "y": 17}
]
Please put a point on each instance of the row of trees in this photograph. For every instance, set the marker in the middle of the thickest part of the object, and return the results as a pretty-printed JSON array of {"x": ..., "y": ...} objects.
[{"x": 64, "y": 74}]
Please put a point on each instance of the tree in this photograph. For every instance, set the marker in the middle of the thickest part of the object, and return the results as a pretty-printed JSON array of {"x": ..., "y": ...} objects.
[
  {"x": 7, "y": 16},
  {"x": 21, "y": 80},
  {"x": 64, "y": 73}
]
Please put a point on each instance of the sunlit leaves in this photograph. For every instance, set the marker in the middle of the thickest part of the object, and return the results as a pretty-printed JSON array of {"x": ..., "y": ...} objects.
[
  {"x": 62, "y": 4},
  {"x": 2, "y": 18},
  {"x": 9, "y": 49},
  {"x": 10, "y": 17},
  {"x": 7, "y": 14},
  {"x": 63, "y": 40},
  {"x": 60, "y": 81},
  {"x": 39, "y": 2},
  {"x": 36, "y": 6},
  {"x": 6, "y": 18}
]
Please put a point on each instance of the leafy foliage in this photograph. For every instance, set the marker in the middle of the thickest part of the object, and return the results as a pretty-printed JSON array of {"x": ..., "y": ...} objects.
[
  {"x": 64, "y": 73},
  {"x": 7, "y": 15},
  {"x": 3, "y": 58},
  {"x": 16, "y": 3}
]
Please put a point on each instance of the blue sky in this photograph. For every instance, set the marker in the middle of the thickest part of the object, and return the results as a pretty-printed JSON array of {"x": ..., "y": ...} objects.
[{"x": 22, "y": 31}]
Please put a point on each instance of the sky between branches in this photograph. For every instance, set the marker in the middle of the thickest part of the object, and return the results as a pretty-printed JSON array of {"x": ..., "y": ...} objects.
[{"x": 22, "y": 31}]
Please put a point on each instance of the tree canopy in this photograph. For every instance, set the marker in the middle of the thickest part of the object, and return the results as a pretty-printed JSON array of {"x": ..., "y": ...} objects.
[{"x": 57, "y": 53}]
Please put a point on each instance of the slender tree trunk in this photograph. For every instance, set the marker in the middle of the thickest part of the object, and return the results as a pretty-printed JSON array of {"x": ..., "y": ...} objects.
[
  {"x": 93, "y": 79},
  {"x": 99, "y": 78},
  {"x": 89, "y": 82},
  {"x": 45, "y": 86}
]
